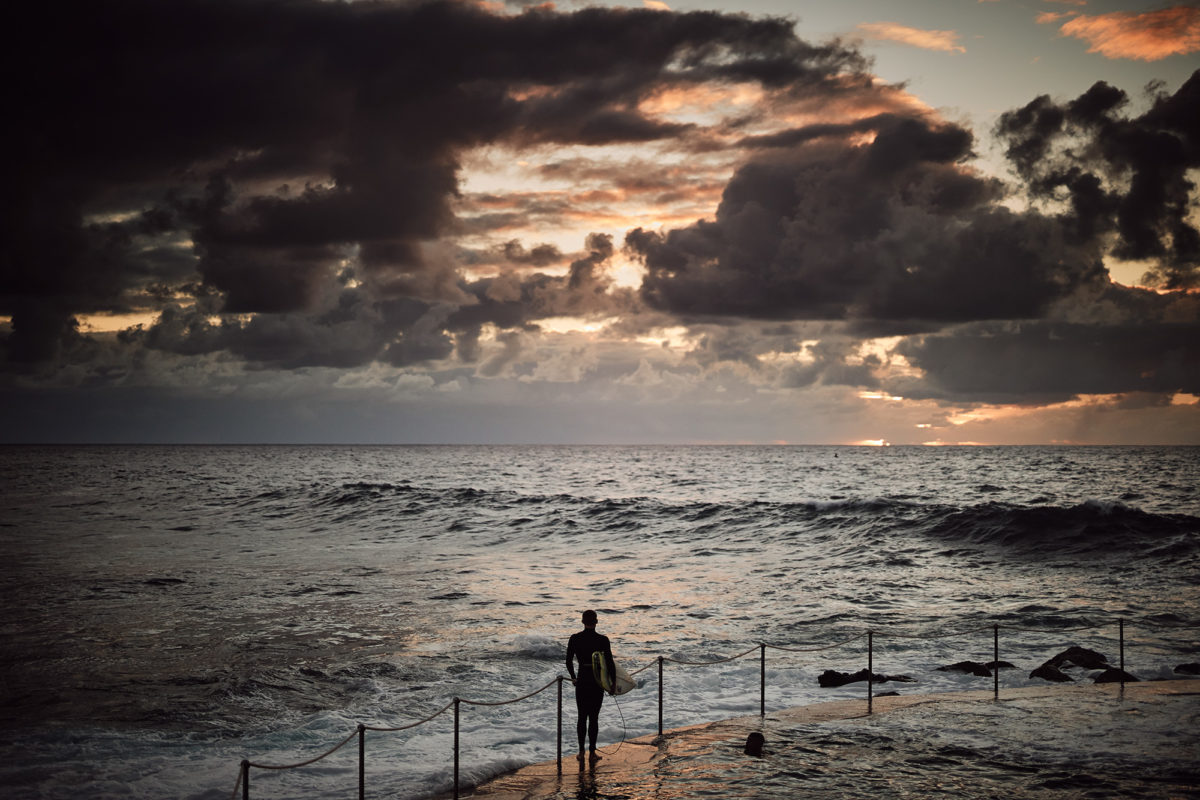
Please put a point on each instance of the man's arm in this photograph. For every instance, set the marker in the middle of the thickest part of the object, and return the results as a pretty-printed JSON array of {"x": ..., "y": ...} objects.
[
  {"x": 612, "y": 667},
  {"x": 571, "y": 658}
]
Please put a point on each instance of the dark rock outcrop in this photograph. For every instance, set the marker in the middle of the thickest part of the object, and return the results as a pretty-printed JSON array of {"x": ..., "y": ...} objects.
[
  {"x": 969, "y": 667},
  {"x": 1188, "y": 669},
  {"x": 1079, "y": 657},
  {"x": 1114, "y": 675},
  {"x": 976, "y": 668},
  {"x": 1047, "y": 672},
  {"x": 832, "y": 678},
  {"x": 1073, "y": 656}
]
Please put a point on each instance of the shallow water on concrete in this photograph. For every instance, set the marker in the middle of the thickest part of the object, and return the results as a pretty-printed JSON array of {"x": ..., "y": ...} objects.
[{"x": 1062, "y": 744}]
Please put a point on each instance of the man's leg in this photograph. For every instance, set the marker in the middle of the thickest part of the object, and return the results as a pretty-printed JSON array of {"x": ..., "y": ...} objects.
[
  {"x": 583, "y": 707},
  {"x": 594, "y": 724}
]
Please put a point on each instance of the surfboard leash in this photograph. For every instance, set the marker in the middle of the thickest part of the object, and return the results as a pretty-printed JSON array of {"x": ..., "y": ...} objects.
[{"x": 624, "y": 729}]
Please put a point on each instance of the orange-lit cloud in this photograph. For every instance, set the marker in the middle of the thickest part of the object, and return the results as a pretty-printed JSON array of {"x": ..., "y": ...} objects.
[
  {"x": 1150, "y": 36},
  {"x": 945, "y": 41},
  {"x": 1047, "y": 17}
]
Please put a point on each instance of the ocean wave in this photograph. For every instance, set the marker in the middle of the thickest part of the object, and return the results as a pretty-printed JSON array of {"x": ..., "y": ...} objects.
[{"x": 1090, "y": 528}]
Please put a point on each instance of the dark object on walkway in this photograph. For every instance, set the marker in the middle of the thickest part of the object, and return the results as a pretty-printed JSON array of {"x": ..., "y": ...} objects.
[
  {"x": 1079, "y": 657},
  {"x": 1114, "y": 675},
  {"x": 754, "y": 744},
  {"x": 1051, "y": 673},
  {"x": 832, "y": 678},
  {"x": 888, "y": 694},
  {"x": 1188, "y": 669},
  {"x": 976, "y": 668}
]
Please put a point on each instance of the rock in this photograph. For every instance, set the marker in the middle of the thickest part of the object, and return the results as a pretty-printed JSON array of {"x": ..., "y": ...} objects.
[
  {"x": 1051, "y": 673},
  {"x": 969, "y": 667},
  {"x": 1188, "y": 669},
  {"x": 832, "y": 678},
  {"x": 1114, "y": 675},
  {"x": 888, "y": 694},
  {"x": 976, "y": 668},
  {"x": 1079, "y": 657},
  {"x": 894, "y": 679},
  {"x": 754, "y": 744}
]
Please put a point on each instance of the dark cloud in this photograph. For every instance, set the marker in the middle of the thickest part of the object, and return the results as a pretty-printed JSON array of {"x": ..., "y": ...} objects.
[
  {"x": 835, "y": 362},
  {"x": 511, "y": 302},
  {"x": 542, "y": 255},
  {"x": 274, "y": 137},
  {"x": 819, "y": 227},
  {"x": 1043, "y": 362},
  {"x": 1122, "y": 174}
]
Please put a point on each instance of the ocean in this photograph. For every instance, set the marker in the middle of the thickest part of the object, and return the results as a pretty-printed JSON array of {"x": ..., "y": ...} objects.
[{"x": 170, "y": 611}]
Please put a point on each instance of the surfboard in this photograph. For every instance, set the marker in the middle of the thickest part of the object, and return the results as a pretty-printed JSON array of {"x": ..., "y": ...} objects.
[{"x": 618, "y": 683}]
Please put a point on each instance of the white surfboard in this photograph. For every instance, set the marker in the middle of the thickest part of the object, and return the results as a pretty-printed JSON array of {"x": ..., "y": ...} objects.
[{"x": 620, "y": 683}]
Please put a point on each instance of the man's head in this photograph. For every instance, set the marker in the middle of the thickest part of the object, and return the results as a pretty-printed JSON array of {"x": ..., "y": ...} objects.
[{"x": 589, "y": 619}]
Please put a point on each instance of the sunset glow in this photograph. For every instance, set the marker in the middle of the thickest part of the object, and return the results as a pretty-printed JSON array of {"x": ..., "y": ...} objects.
[{"x": 697, "y": 227}]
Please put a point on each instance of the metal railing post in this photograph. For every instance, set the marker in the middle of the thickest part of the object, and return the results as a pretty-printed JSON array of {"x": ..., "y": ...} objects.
[
  {"x": 995, "y": 662},
  {"x": 456, "y": 702},
  {"x": 660, "y": 694},
  {"x": 245, "y": 780},
  {"x": 560, "y": 683},
  {"x": 362, "y": 761},
  {"x": 1121, "y": 623},
  {"x": 762, "y": 681},
  {"x": 870, "y": 672}
]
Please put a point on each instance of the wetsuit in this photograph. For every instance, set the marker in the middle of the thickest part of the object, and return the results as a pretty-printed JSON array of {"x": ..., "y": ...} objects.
[{"x": 588, "y": 694}]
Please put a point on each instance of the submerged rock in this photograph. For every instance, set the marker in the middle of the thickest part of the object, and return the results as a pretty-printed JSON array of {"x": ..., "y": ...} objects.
[
  {"x": 969, "y": 667},
  {"x": 1188, "y": 669},
  {"x": 1047, "y": 672},
  {"x": 976, "y": 668},
  {"x": 832, "y": 678},
  {"x": 1079, "y": 657},
  {"x": 1114, "y": 675},
  {"x": 1075, "y": 656}
]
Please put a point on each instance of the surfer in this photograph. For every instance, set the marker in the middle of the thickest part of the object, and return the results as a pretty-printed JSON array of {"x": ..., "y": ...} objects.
[{"x": 589, "y": 696}]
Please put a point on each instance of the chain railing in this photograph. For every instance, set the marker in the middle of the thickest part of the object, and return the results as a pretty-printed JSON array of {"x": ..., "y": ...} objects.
[{"x": 243, "y": 780}]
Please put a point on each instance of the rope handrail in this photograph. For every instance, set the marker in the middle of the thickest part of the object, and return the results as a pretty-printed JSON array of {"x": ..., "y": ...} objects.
[
  {"x": 1049, "y": 630},
  {"x": 243, "y": 779},
  {"x": 709, "y": 663},
  {"x": 328, "y": 752},
  {"x": 969, "y": 631},
  {"x": 410, "y": 725},
  {"x": 814, "y": 649},
  {"x": 1153, "y": 627},
  {"x": 508, "y": 702}
]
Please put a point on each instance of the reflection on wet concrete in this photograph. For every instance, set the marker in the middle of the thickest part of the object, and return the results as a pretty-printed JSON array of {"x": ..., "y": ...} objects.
[{"x": 1094, "y": 742}]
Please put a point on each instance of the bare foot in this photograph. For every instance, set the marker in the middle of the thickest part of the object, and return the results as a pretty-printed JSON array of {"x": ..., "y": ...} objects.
[
  {"x": 580, "y": 757},
  {"x": 594, "y": 757}
]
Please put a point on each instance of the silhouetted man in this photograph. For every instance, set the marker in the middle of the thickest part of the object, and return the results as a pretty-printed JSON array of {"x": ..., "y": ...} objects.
[{"x": 589, "y": 696}]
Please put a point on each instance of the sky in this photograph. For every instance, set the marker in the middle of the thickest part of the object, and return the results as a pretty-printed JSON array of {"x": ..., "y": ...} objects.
[{"x": 831, "y": 222}]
